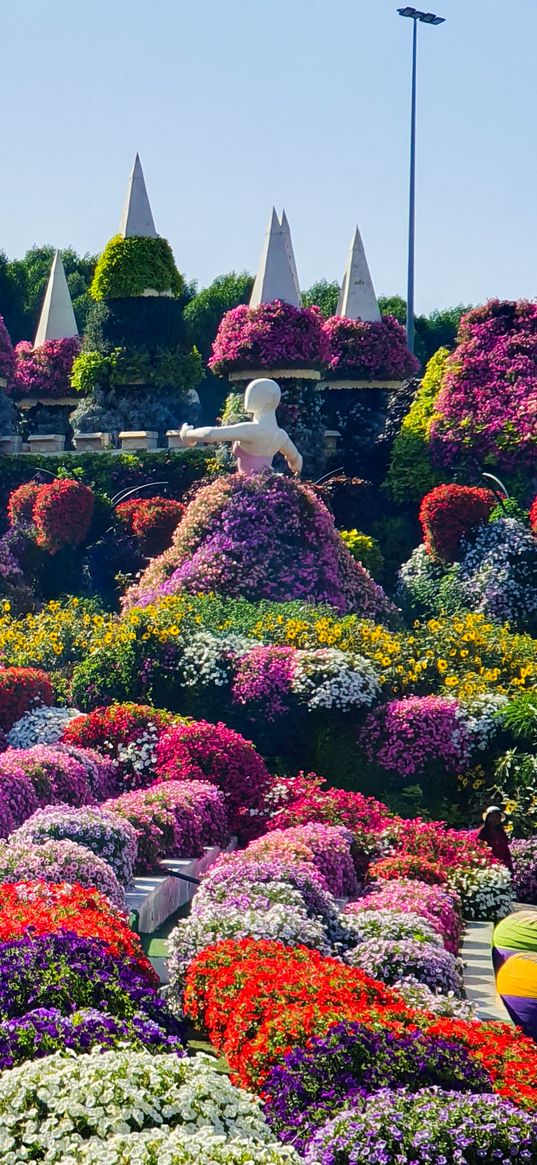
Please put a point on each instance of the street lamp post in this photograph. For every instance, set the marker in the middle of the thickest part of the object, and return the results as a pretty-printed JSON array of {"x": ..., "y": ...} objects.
[{"x": 422, "y": 18}]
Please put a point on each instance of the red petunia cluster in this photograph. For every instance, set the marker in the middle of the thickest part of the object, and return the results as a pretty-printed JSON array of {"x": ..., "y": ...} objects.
[
  {"x": 152, "y": 521},
  {"x": 21, "y": 501},
  {"x": 449, "y": 513},
  {"x": 408, "y": 865},
  {"x": 22, "y": 688}
]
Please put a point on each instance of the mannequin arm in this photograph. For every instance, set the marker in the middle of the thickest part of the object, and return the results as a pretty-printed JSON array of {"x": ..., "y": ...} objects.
[
  {"x": 291, "y": 454},
  {"x": 212, "y": 435}
]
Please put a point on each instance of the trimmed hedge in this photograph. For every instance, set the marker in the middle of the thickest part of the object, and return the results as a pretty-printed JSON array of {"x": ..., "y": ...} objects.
[
  {"x": 108, "y": 473},
  {"x": 151, "y": 322},
  {"x": 131, "y": 266}
]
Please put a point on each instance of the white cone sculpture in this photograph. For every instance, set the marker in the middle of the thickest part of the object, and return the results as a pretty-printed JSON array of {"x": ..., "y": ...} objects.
[
  {"x": 357, "y": 300},
  {"x": 276, "y": 275},
  {"x": 57, "y": 319},
  {"x": 137, "y": 217}
]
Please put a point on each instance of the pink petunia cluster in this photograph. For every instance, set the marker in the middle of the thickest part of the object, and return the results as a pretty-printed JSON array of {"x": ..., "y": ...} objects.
[
  {"x": 367, "y": 350},
  {"x": 487, "y": 406},
  {"x": 327, "y": 847},
  {"x": 172, "y": 819},
  {"x": 56, "y": 777},
  {"x": 272, "y": 335},
  {"x": 405, "y": 735},
  {"x": 44, "y": 371},
  {"x": 7, "y": 356}
]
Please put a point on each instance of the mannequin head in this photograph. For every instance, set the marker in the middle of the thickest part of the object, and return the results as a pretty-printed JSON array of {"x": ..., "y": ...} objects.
[{"x": 262, "y": 396}]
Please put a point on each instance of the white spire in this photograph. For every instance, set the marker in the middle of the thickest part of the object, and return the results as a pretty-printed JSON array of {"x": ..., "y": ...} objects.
[
  {"x": 357, "y": 300},
  {"x": 57, "y": 319},
  {"x": 276, "y": 275},
  {"x": 286, "y": 231},
  {"x": 137, "y": 218}
]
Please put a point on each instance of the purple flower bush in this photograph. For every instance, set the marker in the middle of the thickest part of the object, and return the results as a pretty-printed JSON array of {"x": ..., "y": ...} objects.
[
  {"x": 395, "y": 959},
  {"x": 18, "y": 799},
  {"x": 327, "y": 847},
  {"x": 45, "y": 1031},
  {"x": 237, "y": 879},
  {"x": 405, "y": 735},
  {"x": 349, "y": 1063},
  {"x": 56, "y": 776},
  {"x": 7, "y": 356},
  {"x": 429, "y": 1127},
  {"x": 261, "y": 537},
  {"x": 102, "y": 773},
  {"x": 107, "y": 835},
  {"x": 487, "y": 405},
  {"x": 497, "y": 575},
  {"x": 59, "y": 861},
  {"x": 45, "y": 371},
  {"x": 369, "y": 351},
  {"x": 273, "y": 335},
  {"x": 524, "y": 854},
  {"x": 69, "y": 972}
]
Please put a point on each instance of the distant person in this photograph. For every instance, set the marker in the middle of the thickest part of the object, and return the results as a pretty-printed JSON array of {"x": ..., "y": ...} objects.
[{"x": 493, "y": 834}]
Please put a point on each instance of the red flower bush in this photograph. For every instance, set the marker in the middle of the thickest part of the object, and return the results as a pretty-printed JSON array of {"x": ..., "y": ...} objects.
[
  {"x": 509, "y": 1057},
  {"x": 533, "y": 516},
  {"x": 22, "y": 688},
  {"x": 448, "y": 513},
  {"x": 62, "y": 514},
  {"x": 212, "y": 752},
  {"x": 367, "y": 350},
  {"x": 436, "y": 843},
  {"x": 152, "y": 521},
  {"x": 46, "y": 908},
  {"x": 20, "y": 505},
  {"x": 408, "y": 866}
]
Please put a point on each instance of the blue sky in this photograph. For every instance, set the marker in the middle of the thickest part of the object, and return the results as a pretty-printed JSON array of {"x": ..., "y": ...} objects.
[{"x": 238, "y": 104}]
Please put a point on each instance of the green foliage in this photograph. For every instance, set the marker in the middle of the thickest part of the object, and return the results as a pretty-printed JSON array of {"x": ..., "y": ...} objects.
[
  {"x": 393, "y": 305},
  {"x": 323, "y": 295},
  {"x": 519, "y": 717},
  {"x": 149, "y": 322},
  {"x": 165, "y": 369},
  {"x": 128, "y": 267},
  {"x": 411, "y": 474},
  {"x": 23, "y": 282},
  {"x": 204, "y": 312},
  {"x": 364, "y": 549},
  {"x": 515, "y": 787}
]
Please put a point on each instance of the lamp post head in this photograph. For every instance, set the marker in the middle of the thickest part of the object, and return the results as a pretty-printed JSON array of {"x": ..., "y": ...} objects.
[{"x": 423, "y": 17}]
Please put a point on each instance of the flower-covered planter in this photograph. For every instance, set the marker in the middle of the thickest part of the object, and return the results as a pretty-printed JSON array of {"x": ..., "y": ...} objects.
[
  {"x": 272, "y": 339},
  {"x": 366, "y": 354},
  {"x": 43, "y": 374}
]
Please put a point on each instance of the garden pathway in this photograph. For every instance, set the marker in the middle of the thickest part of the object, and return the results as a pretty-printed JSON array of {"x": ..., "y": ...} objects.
[{"x": 479, "y": 974}]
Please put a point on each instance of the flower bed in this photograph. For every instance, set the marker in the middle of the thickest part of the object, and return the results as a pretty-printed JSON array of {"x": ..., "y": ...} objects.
[
  {"x": 22, "y": 688},
  {"x": 104, "y": 833},
  {"x": 59, "y": 861}
]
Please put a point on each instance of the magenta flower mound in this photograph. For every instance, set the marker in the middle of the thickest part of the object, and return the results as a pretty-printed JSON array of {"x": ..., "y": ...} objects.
[
  {"x": 172, "y": 819},
  {"x": 45, "y": 371},
  {"x": 328, "y": 848},
  {"x": 101, "y": 771},
  {"x": 261, "y": 537},
  {"x": 406, "y": 735},
  {"x": 59, "y": 861},
  {"x": 369, "y": 351},
  {"x": 264, "y": 678},
  {"x": 273, "y": 335},
  {"x": 435, "y": 904},
  {"x": 213, "y": 752},
  {"x": 56, "y": 777},
  {"x": 487, "y": 405},
  {"x": 7, "y": 356}
]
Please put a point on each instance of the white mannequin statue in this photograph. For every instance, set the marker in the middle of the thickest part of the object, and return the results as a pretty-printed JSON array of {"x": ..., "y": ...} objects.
[{"x": 255, "y": 442}]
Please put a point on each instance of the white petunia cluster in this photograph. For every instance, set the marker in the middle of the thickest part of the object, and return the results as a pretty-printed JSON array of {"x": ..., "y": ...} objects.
[
  {"x": 178, "y": 1148},
  {"x": 53, "y": 1109},
  {"x": 329, "y": 678},
  {"x": 140, "y": 754},
  {"x": 486, "y": 892},
  {"x": 41, "y": 726},
  {"x": 208, "y": 659},
  {"x": 481, "y": 717}
]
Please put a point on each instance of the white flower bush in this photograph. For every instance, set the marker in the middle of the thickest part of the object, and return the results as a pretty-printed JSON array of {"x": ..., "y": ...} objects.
[
  {"x": 53, "y": 1109},
  {"x": 176, "y": 1148},
  {"x": 207, "y": 660},
  {"x": 288, "y": 924},
  {"x": 41, "y": 726},
  {"x": 481, "y": 717},
  {"x": 486, "y": 892},
  {"x": 329, "y": 678},
  {"x": 138, "y": 755},
  {"x": 109, "y": 836},
  {"x": 390, "y": 924}
]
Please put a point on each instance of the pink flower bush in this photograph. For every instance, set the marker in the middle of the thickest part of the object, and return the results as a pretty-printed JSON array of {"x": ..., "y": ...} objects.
[
  {"x": 59, "y": 861},
  {"x": 7, "y": 356},
  {"x": 55, "y": 776},
  {"x": 263, "y": 678},
  {"x": 326, "y": 847},
  {"x": 45, "y": 371},
  {"x": 406, "y": 735},
  {"x": 367, "y": 350},
  {"x": 261, "y": 537},
  {"x": 440, "y": 907},
  {"x": 487, "y": 405},
  {"x": 18, "y": 799},
  {"x": 173, "y": 819},
  {"x": 101, "y": 772},
  {"x": 273, "y": 335},
  {"x": 212, "y": 752}
]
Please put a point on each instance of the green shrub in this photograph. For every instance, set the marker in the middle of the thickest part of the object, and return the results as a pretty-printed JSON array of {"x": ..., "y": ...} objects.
[
  {"x": 411, "y": 474},
  {"x": 131, "y": 266},
  {"x": 151, "y": 322},
  {"x": 364, "y": 549},
  {"x": 164, "y": 369},
  {"x": 90, "y": 371}
]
